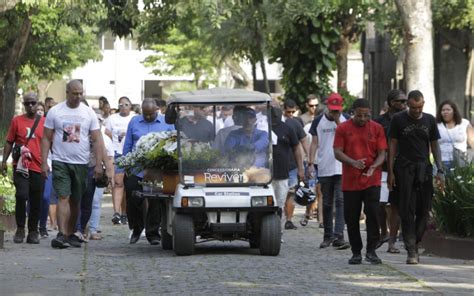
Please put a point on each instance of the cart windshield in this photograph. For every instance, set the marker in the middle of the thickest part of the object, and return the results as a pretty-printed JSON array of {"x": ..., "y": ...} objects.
[{"x": 224, "y": 144}]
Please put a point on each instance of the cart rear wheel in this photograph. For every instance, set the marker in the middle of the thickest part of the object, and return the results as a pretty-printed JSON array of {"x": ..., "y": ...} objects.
[
  {"x": 270, "y": 235},
  {"x": 183, "y": 235}
]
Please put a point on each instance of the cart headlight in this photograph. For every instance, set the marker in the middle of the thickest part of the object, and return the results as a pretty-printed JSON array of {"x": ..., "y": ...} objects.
[
  {"x": 192, "y": 202},
  {"x": 262, "y": 201}
]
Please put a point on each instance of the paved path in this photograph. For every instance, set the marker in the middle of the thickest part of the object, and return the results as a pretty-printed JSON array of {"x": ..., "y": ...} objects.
[{"x": 114, "y": 267}]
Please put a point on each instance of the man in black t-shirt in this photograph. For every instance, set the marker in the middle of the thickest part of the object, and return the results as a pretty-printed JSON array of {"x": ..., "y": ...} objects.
[
  {"x": 397, "y": 102},
  {"x": 412, "y": 134},
  {"x": 287, "y": 145}
]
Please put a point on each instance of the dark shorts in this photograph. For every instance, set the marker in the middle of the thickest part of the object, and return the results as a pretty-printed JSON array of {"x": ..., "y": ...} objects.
[
  {"x": 69, "y": 180},
  {"x": 393, "y": 198}
]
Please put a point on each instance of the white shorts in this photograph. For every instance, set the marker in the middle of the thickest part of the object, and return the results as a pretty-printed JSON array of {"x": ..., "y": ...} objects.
[
  {"x": 384, "y": 188},
  {"x": 281, "y": 190}
]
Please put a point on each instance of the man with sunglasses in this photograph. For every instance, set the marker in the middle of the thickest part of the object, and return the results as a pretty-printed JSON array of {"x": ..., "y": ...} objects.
[
  {"x": 397, "y": 102},
  {"x": 29, "y": 183},
  {"x": 312, "y": 104}
]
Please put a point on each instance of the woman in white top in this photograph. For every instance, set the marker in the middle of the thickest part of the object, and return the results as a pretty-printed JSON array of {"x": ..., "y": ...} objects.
[
  {"x": 455, "y": 131},
  {"x": 116, "y": 128}
]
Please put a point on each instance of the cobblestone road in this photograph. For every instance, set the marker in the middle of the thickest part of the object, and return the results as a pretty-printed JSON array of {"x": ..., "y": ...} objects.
[{"x": 114, "y": 267}]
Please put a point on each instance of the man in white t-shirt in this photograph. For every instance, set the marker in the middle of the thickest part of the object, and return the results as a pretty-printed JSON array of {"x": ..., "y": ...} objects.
[
  {"x": 323, "y": 130},
  {"x": 66, "y": 131}
]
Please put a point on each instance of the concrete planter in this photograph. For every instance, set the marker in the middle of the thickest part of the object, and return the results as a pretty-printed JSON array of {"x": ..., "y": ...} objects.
[
  {"x": 449, "y": 246},
  {"x": 8, "y": 222}
]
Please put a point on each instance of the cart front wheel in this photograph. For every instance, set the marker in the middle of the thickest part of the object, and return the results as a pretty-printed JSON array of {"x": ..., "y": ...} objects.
[
  {"x": 270, "y": 235},
  {"x": 183, "y": 235}
]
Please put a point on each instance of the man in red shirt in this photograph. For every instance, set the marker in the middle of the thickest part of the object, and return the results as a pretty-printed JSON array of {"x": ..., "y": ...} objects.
[
  {"x": 27, "y": 170},
  {"x": 360, "y": 145}
]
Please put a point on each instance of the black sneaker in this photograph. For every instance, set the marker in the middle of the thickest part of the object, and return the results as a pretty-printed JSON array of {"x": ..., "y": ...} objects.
[
  {"x": 19, "y": 236},
  {"x": 356, "y": 259},
  {"x": 341, "y": 244},
  {"x": 74, "y": 241},
  {"x": 43, "y": 233},
  {"x": 372, "y": 258},
  {"x": 412, "y": 258},
  {"x": 32, "y": 238},
  {"x": 116, "y": 219},
  {"x": 60, "y": 242},
  {"x": 326, "y": 243},
  {"x": 290, "y": 225},
  {"x": 124, "y": 220}
]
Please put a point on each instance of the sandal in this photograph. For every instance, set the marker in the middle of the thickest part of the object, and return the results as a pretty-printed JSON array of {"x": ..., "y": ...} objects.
[
  {"x": 304, "y": 221},
  {"x": 393, "y": 250}
]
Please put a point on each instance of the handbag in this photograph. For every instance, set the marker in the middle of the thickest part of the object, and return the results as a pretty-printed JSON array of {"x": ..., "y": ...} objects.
[
  {"x": 460, "y": 158},
  {"x": 16, "y": 151}
]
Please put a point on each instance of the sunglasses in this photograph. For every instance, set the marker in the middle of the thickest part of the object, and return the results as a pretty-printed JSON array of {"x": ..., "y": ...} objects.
[
  {"x": 401, "y": 101},
  {"x": 290, "y": 111},
  {"x": 313, "y": 106},
  {"x": 29, "y": 103},
  {"x": 124, "y": 105}
]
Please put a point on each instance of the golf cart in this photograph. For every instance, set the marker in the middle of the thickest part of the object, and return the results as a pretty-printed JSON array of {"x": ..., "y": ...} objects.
[{"x": 224, "y": 189}]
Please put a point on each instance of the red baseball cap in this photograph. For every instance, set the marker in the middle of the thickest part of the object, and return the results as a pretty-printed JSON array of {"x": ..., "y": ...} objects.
[{"x": 335, "y": 102}]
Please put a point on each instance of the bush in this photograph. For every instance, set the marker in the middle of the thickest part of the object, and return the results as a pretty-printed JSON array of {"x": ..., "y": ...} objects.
[
  {"x": 453, "y": 209},
  {"x": 7, "y": 193}
]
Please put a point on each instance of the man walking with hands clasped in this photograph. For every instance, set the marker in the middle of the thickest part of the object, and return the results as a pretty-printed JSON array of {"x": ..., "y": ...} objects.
[
  {"x": 360, "y": 145},
  {"x": 410, "y": 173}
]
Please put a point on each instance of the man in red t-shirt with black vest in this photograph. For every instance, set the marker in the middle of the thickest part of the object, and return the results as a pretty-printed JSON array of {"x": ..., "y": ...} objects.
[
  {"x": 27, "y": 175},
  {"x": 360, "y": 145}
]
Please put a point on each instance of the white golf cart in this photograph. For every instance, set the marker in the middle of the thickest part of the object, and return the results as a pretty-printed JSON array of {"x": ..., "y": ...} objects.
[{"x": 225, "y": 172}]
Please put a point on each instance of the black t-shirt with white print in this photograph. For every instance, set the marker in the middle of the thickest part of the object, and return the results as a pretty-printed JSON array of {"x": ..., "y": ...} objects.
[{"x": 414, "y": 135}]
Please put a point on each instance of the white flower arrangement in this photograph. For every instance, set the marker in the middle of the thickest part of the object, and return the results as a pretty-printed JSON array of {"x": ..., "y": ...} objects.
[{"x": 150, "y": 150}]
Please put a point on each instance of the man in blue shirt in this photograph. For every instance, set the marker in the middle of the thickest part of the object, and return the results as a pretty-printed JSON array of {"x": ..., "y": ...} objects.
[
  {"x": 139, "y": 126},
  {"x": 248, "y": 141}
]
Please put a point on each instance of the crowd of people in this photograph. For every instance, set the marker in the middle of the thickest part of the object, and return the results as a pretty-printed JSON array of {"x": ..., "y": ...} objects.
[{"x": 64, "y": 157}]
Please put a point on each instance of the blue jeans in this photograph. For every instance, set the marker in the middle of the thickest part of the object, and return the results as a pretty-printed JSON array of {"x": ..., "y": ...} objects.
[
  {"x": 331, "y": 188},
  {"x": 95, "y": 215},
  {"x": 47, "y": 194}
]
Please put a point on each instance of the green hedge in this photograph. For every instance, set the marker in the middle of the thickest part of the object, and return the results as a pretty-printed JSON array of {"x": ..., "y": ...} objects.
[{"x": 453, "y": 210}]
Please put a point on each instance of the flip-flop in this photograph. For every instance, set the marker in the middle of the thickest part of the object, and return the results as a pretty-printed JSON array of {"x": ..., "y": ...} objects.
[
  {"x": 381, "y": 242},
  {"x": 393, "y": 250},
  {"x": 304, "y": 221}
]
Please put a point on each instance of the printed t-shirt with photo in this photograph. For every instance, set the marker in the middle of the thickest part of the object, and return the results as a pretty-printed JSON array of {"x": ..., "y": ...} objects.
[
  {"x": 117, "y": 125},
  {"x": 71, "y": 132}
]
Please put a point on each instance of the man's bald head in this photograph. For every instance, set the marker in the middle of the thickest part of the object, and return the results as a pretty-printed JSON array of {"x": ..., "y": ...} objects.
[
  {"x": 149, "y": 102},
  {"x": 74, "y": 93},
  {"x": 73, "y": 83},
  {"x": 149, "y": 109},
  {"x": 30, "y": 96}
]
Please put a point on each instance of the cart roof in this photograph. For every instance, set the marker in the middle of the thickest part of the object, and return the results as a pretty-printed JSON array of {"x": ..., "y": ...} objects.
[{"x": 219, "y": 96}]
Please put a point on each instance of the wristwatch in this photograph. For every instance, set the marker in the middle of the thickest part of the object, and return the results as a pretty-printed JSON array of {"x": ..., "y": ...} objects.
[{"x": 440, "y": 171}]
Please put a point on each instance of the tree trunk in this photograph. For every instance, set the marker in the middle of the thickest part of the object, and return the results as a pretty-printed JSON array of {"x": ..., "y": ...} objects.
[
  {"x": 10, "y": 63},
  {"x": 264, "y": 73},
  {"x": 469, "y": 89},
  {"x": 238, "y": 74},
  {"x": 418, "y": 42},
  {"x": 43, "y": 87},
  {"x": 341, "y": 62},
  {"x": 254, "y": 75}
]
